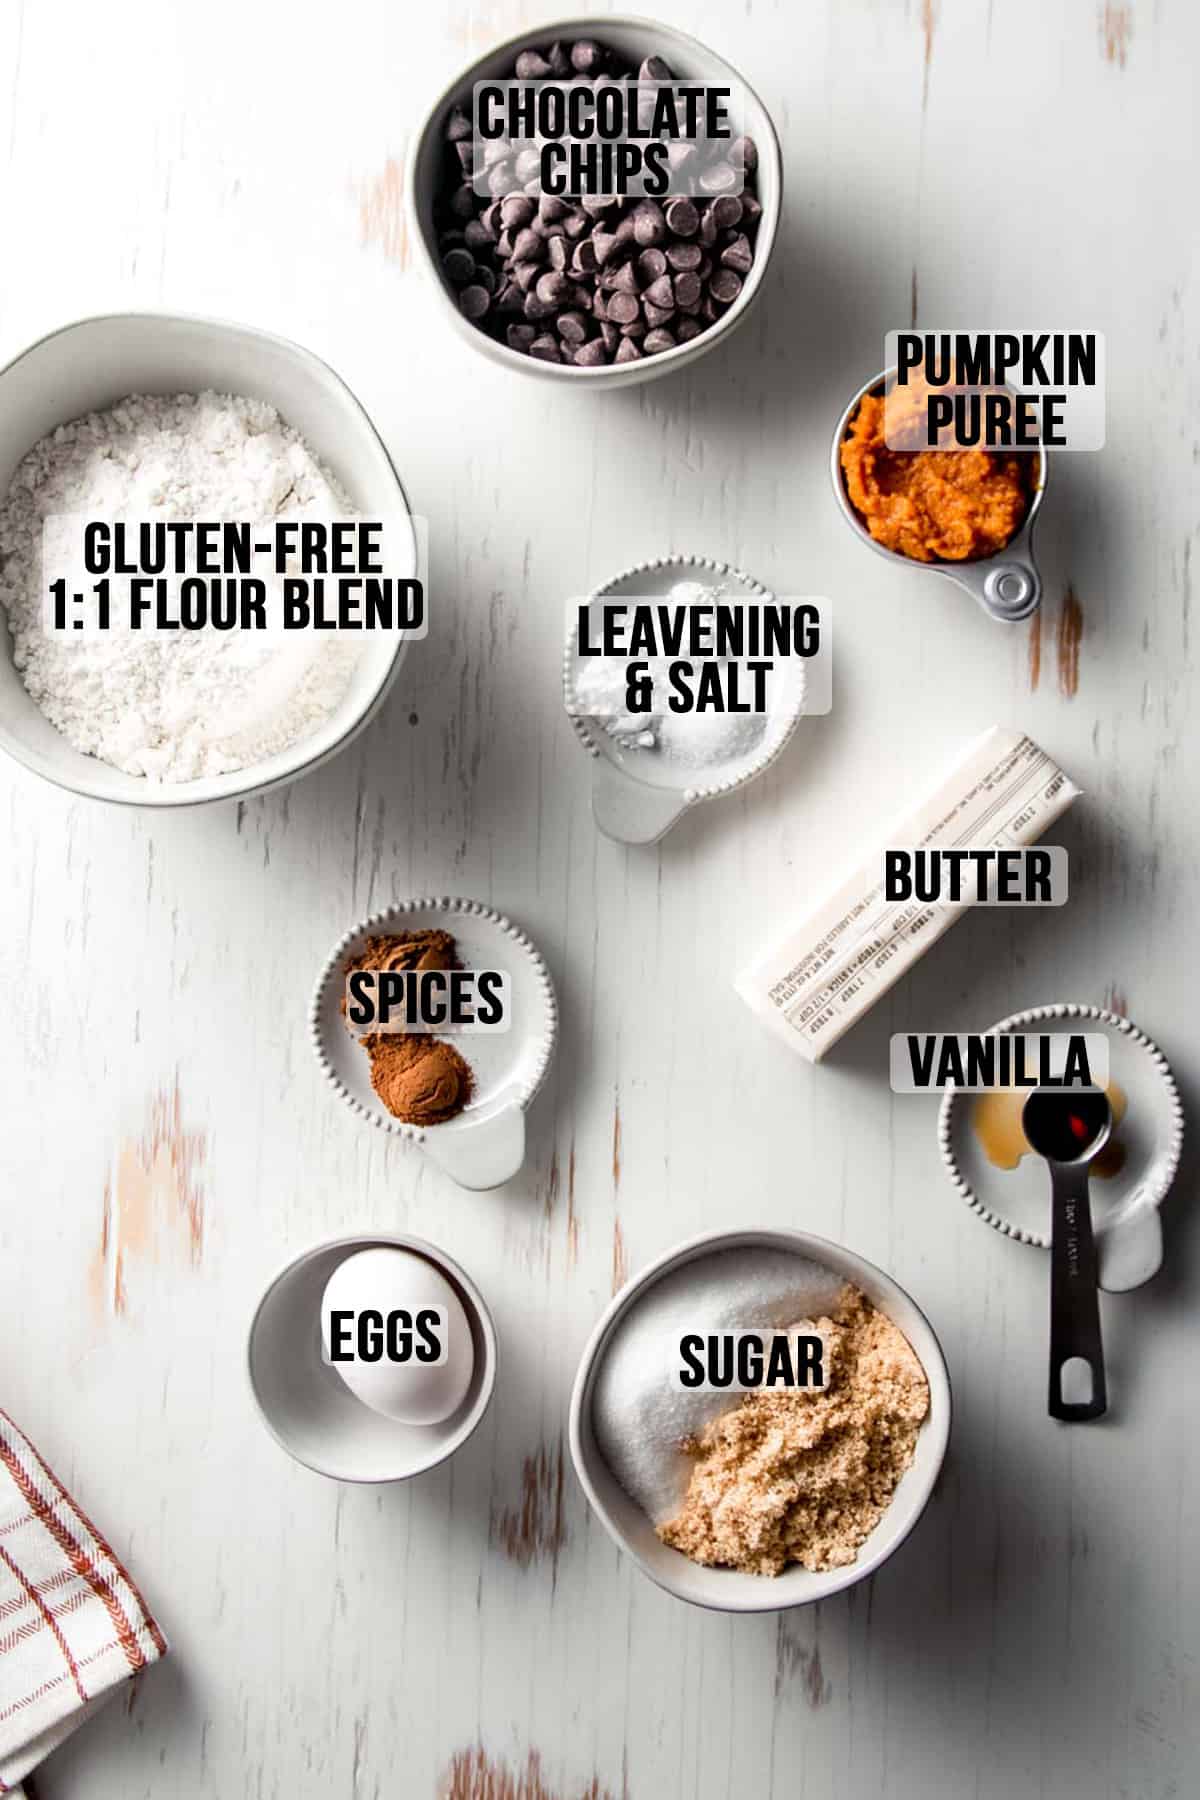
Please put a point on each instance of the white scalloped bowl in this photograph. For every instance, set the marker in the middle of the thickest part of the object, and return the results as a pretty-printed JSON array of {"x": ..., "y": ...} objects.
[
  {"x": 1125, "y": 1206},
  {"x": 485, "y": 1145},
  {"x": 637, "y": 795}
]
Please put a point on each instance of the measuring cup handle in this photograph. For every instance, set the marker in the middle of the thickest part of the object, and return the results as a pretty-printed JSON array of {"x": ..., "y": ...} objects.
[
  {"x": 1074, "y": 1296},
  {"x": 1010, "y": 589}
]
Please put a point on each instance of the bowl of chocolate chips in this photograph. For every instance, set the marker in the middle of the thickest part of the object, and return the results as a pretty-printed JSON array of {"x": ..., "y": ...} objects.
[{"x": 627, "y": 278}]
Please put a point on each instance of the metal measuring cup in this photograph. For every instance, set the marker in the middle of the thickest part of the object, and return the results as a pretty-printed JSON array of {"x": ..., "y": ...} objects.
[{"x": 1007, "y": 585}]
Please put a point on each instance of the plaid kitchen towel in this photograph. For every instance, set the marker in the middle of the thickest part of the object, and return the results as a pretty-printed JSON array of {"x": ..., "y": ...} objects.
[{"x": 72, "y": 1625}]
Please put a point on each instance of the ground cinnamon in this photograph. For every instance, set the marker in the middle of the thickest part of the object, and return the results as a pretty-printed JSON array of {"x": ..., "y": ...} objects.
[
  {"x": 422, "y": 1080},
  {"x": 419, "y": 1078}
]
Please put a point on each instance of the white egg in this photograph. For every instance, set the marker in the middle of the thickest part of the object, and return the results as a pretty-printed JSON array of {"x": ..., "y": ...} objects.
[{"x": 391, "y": 1281}]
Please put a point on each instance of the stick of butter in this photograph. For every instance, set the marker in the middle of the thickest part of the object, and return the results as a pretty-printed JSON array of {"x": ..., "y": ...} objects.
[{"x": 829, "y": 970}]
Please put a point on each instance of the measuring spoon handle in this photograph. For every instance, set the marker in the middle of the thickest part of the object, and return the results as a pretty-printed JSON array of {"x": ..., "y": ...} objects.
[{"x": 1074, "y": 1296}]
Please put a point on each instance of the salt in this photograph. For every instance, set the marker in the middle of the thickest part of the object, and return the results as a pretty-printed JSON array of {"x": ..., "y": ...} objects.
[{"x": 640, "y": 1415}]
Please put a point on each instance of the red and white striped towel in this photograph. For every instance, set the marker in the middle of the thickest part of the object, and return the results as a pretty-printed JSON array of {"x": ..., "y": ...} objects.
[{"x": 72, "y": 1625}]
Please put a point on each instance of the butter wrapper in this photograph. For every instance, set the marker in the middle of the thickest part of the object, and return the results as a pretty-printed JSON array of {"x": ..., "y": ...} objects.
[{"x": 811, "y": 986}]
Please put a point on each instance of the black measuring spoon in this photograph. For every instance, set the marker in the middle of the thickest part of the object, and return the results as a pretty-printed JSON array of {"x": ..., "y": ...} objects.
[{"x": 1068, "y": 1127}]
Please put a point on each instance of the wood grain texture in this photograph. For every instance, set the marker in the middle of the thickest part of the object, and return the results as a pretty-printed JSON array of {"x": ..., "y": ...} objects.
[{"x": 475, "y": 1633}]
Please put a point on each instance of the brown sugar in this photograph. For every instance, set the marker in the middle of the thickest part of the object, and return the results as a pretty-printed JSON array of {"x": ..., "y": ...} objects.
[
  {"x": 422, "y": 1080},
  {"x": 931, "y": 505},
  {"x": 804, "y": 1476}
]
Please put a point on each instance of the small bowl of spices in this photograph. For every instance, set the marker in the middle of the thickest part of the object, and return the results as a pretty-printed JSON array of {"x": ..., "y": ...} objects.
[
  {"x": 760, "y": 1500},
  {"x": 964, "y": 514},
  {"x": 461, "y": 1095},
  {"x": 598, "y": 289}
]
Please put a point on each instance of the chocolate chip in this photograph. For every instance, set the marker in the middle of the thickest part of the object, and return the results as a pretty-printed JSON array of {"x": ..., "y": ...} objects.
[
  {"x": 553, "y": 287},
  {"x": 726, "y": 211},
  {"x": 636, "y": 328},
  {"x": 595, "y": 204},
  {"x": 576, "y": 223},
  {"x": 649, "y": 223},
  {"x": 551, "y": 209},
  {"x": 656, "y": 341},
  {"x": 651, "y": 264},
  {"x": 573, "y": 327},
  {"x": 486, "y": 278},
  {"x": 520, "y": 336},
  {"x": 610, "y": 337},
  {"x": 654, "y": 69},
  {"x": 462, "y": 201},
  {"x": 688, "y": 291},
  {"x": 586, "y": 56},
  {"x": 510, "y": 299},
  {"x": 708, "y": 230},
  {"x": 656, "y": 316},
  {"x": 545, "y": 349},
  {"x": 624, "y": 279},
  {"x": 560, "y": 62},
  {"x": 458, "y": 266},
  {"x": 560, "y": 253},
  {"x": 516, "y": 210},
  {"x": 474, "y": 302},
  {"x": 525, "y": 275},
  {"x": 682, "y": 217},
  {"x": 537, "y": 308},
  {"x": 751, "y": 209},
  {"x": 743, "y": 154},
  {"x": 528, "y": 246},
  {"x": 627, "y": 352},
  {"x": 622, "y": 308},
  {"x": 718, "y": 178},
  {"x": 531, "y": 66},
  {"x": 725, "y": 286},
  {"x": 738, "y": 255},
  {"x": 476, "y": 235},
  {"x": 687, "y": 329},
  {"x": 661, "y": 293},
  {"x": 599, "y": 305},
  {"x": 606, "y": 243},
  {"x": 465, "y": 151},
  {"x": 458, "y": 126},
  {"x": 684, "y": 256},
  {"x": 585, "y": 261},
  {"x": 590, "y": 355}
]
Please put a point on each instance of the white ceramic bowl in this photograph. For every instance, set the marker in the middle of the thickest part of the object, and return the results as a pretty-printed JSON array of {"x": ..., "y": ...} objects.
[
  {"x": 306, "y": 1405},
  {"x": 1124, "y": 1205},
  {"x": 94, "y": 363},
  {"x": 728, "y": 1590},
  {"x": 637, "y": 39},
  {"x": 485, "y": 1145},
  {"x": 637, "y": 795}
]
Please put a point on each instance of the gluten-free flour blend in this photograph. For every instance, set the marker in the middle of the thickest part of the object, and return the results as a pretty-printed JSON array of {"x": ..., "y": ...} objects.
[{"x": 172, "y": 706}]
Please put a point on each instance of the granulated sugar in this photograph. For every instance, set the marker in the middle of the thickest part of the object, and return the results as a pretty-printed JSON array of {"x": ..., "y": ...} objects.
[
  {"x": 178, "y": 705},
  {"x": 640, "y": 1415}
]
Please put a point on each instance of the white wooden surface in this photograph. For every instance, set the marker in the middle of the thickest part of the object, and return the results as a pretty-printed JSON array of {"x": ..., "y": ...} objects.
[{"x": 166, "y": 1140}]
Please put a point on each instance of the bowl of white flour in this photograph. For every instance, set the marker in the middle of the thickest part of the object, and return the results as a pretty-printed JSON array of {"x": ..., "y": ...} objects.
[{"x": 138, "y": 415}]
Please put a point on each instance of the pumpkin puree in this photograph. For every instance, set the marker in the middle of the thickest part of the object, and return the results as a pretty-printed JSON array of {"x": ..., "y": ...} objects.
[{"x": 931, "y": 505}]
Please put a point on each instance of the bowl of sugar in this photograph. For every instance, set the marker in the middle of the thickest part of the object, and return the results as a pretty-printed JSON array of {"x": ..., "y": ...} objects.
[
  {"x": 679, "y": 1477},
  {"x": 155, "y": 414}
]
